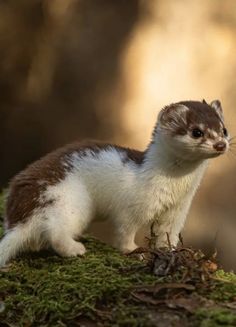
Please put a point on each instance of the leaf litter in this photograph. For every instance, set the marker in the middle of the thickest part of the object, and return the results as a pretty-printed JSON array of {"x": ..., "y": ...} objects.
[{"x": 185, "y": 278}]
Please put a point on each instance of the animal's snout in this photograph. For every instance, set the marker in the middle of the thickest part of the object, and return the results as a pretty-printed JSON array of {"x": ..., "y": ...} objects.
[{"x": 220, "y": 146}]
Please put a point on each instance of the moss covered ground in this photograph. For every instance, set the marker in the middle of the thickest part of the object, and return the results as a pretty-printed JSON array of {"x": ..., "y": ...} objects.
[{"x": 105, "y": 288}]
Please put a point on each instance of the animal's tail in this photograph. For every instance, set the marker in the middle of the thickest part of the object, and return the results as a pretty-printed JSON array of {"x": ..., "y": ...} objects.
[{"x": 11, "y": 244}]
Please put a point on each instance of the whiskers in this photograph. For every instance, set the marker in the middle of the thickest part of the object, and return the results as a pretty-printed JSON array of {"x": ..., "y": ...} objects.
[
  {"x": 231, "y": 153},
  {"x": 232, "y": 138},
  {"x": 232, "y": 147}
]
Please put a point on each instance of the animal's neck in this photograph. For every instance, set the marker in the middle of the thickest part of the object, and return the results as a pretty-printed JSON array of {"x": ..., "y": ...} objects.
[{"x": 161, "y": 161}]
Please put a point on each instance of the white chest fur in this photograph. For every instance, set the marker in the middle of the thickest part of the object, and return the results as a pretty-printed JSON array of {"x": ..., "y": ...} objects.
[{"x": 161, "y": 192}]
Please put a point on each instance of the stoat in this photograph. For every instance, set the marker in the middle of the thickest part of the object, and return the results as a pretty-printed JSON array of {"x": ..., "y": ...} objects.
[{"x": 52, "y": 202}]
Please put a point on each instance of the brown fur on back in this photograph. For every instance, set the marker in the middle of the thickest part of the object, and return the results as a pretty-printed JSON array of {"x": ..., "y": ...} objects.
[{"x": 26, "y": 187}]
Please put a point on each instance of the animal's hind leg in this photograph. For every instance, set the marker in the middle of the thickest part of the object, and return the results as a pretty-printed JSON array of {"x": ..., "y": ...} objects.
[
  {"x": 68, "y": 217},
  {"x": 66, "y": 228}
]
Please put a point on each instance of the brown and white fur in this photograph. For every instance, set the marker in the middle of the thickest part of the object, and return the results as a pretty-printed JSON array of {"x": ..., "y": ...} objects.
[{"x": 53, "y": 201}]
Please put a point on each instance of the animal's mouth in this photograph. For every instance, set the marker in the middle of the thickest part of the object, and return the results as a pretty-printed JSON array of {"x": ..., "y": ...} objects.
[
  {"x": 217, "y": 153},
  {"x": 214, "y": 151}
]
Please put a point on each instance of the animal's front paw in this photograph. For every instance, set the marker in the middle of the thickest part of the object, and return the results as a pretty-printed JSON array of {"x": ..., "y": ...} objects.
[
  {"x": 77, "y": 249},
  {"x": 69, "y": 248}
]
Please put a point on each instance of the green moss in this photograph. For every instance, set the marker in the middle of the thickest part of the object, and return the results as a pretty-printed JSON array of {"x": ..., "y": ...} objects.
[
  {"x": 50, "y": 288},
  {"x": 224, "y": 287},
  {"x": 223, "y": 292},
  {"x": 226, "y": 276},
  {"x": 44, "y": 289},
  {"x": 96, "y": 290},
  {"x": 215, "y": 317}
]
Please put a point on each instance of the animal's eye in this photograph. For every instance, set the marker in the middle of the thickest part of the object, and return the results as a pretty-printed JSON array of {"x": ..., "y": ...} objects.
[
  {"x": 225, "y": 132},
  {"x": 196, "y": 133}
]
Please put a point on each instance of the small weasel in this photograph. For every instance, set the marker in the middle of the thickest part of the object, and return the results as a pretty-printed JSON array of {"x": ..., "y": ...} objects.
[{"x": 53, "y": 201}]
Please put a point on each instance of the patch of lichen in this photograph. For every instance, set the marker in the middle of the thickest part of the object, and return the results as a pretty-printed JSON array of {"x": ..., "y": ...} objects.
[{"x": 96, "y": 290}]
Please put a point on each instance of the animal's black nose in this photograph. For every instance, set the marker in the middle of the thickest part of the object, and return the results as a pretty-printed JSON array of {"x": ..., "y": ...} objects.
[{"x": 220, "y": 146}]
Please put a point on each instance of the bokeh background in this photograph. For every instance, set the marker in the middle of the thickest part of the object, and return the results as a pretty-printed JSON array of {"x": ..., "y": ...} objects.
[{"x": 76, "y": 69}]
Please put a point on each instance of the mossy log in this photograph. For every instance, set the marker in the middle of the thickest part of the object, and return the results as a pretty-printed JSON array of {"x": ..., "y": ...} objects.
[{"x": 105, "y": 288}]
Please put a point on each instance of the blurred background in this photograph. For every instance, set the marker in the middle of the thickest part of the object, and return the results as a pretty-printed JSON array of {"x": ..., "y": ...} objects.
[{"x": 75, "y": 69}]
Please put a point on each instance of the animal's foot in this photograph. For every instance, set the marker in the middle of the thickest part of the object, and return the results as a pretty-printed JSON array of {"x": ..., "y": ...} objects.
[
  {"x": 69, "y": 249},
  {"x": 76, "y": 249}
]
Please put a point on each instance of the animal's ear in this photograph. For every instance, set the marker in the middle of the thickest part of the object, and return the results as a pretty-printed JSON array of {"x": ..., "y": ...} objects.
[
  {"x": 172, "y": 112},
  {"x": 217, "y": 106}
]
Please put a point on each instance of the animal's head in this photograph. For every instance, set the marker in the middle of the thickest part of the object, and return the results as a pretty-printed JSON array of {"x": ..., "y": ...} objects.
[{"x": 193, "y": 130}]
